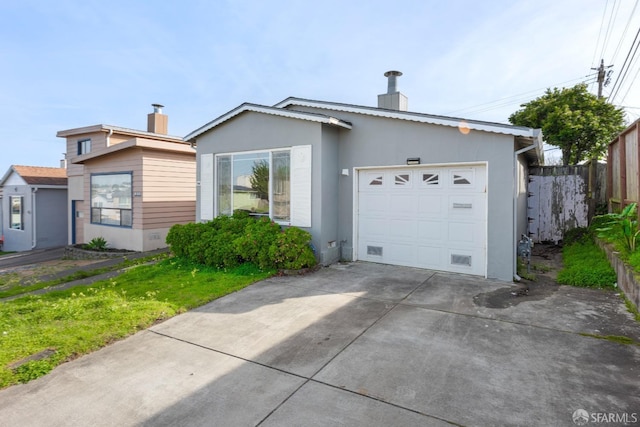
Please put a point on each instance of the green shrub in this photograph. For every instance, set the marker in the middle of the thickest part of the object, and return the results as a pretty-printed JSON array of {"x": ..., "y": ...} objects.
[
  {"x": 253, "y": 245},
  {"x": 291, "y": 250},
  {"x": 228, "y": 241},
  {"x": 624, "y": 224},
  {"x": 96, "y": 244}
]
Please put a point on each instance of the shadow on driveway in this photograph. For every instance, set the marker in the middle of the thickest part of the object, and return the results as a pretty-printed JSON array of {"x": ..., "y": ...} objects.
[{"x": 357, "y": 344}]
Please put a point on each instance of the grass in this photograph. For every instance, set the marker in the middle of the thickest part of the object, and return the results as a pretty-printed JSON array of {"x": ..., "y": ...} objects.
[
  {"x": 613, "y": 338},
  {"x": 12, "y": 284},
  {"x": 586, "y": 265},
  {"x": 62, "y": 325}
]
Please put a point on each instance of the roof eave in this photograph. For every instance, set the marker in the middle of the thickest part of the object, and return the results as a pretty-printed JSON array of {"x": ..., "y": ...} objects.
[
  {"x": 248, "y": 107},
  {"x": 411, "y": 116}
]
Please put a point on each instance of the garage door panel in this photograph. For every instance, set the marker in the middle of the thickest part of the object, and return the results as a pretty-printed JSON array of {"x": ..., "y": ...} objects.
[
  {"x": 403, "y": 205},
  {"x": 372, "y": 203},
  {"x": 431, "y": 205},
  {"x": 403, "y": 254},
  {"x": 461, "y": 232},
  {"x": 430, "y": 257},
  {"x": 428, "y": 217},
  {"x": 430, "y": 231},
  {"x": 403, "y": 229},
  {"x": 374, "y": 227}
]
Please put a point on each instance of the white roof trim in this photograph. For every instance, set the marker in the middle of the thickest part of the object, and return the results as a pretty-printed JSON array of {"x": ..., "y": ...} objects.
[
  {"x": 267, "y": 110},
  {"x": 118, "y": 129},
  {"x": 415, "y": 117}
]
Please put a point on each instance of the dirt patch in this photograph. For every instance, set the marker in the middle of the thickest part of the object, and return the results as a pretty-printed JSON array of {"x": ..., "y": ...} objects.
[
  {"x": 546, "y": 262},
  {"x": 23, "y": 273}
]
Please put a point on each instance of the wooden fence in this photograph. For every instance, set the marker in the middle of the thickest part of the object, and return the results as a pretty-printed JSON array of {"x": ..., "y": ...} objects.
[
  {"x": 562, "y": 198},
  {"x": 623, "y": 175}
]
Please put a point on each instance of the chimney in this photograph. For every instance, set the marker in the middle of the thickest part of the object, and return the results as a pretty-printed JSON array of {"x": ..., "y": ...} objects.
[
  {"x": 156, "y": 121},
  {"x": 393, "y": 100}
]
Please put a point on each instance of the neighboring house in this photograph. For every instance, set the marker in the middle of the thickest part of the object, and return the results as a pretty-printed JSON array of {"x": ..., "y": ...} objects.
[
  {"x": 129, "y": 186},
  {"x": 33, "y": 208},
  {"x": 377, "y": 184}
]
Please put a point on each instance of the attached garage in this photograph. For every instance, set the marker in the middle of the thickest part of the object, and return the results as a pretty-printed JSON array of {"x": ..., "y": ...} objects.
[{"x": 431, "y": 216}]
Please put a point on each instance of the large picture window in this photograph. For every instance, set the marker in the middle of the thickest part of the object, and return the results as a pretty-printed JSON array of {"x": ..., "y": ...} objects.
[
  {"x": 17, "y": 219},
  {"x": 111, "y": 199},
  {"x": 256, "y": 182}
]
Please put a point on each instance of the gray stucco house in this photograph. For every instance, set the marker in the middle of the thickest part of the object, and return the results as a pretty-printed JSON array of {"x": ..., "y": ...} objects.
[
  {"x": 375, "y": 184},
  {"x": 33, "y": 212}
]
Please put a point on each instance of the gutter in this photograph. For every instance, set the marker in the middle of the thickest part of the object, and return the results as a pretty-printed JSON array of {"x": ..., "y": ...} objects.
[{"x": 515, "y": 205}]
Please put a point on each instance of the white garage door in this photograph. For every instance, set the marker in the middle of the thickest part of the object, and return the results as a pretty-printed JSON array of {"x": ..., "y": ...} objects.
[{"x": 427, "y": 217}]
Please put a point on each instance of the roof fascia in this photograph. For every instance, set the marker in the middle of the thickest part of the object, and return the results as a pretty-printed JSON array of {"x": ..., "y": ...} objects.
[
  {"x": 416, "y": 117},
  {"x": 267, "y": 110},
  {"x": 118, "y": 129}
]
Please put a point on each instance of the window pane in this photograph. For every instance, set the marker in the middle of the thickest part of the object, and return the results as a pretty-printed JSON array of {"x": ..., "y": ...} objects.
[
  {"x": 224, "y": 185},
  {"x": 126, "y": 218},
  {"x": 16, "y": 212},
  {"x": 111, "y": 199},
  {"x": 251, "y": 183},
  {"x": 110, "y": 216},
  {"x": 281, "y": 185},
  {"x": 111, "y": 191}
]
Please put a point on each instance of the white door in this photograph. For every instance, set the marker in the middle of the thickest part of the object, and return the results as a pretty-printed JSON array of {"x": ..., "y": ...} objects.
[{"x": 427, "y": 217}]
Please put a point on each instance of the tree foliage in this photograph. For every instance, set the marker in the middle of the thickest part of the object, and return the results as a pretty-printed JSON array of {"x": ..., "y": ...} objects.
[
  {"x": 260, "y": 179},
  {"x": 574, "y": 120}
]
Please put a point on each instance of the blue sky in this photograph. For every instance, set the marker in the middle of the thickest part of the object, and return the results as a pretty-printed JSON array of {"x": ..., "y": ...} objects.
[{"x": 72, "y": 63}]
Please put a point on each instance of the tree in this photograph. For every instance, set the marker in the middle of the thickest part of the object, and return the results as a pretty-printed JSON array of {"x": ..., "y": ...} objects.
[
  {"x": 574, "y": 120},
  {"x": 260, "y": 179}
]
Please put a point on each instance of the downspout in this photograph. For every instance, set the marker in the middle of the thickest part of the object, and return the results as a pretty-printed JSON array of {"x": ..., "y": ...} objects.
[
  {"x": 515, "y": 206},
  {"x": 108, "y": 135},
  {"x": 33, "y": 217}
]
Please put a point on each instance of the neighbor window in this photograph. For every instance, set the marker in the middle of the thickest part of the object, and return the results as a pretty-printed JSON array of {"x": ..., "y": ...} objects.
[
  {"x": 111, "y": 199},
  {"x": 84, "y": 146},
  {"x": 17, "y": 222},
  {"x": 256, "y": 182}
]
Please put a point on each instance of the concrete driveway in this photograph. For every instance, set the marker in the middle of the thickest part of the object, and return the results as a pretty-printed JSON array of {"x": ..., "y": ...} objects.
[{"x": 359, "y": 345}]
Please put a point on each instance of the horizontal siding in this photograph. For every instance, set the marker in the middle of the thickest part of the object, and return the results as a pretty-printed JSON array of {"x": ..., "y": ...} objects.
[
  {"x": 169, "y": 177},
  {"x": 167, "y": 213}
]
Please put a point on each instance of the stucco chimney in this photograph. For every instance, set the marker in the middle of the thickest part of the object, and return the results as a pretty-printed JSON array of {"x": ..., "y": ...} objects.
[
  {"x": 156, "y": 121},
  {"x": 393, "y": 99}
]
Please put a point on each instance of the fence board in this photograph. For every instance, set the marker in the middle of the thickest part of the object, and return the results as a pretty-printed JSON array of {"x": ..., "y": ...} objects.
[{"x": 558, "y": 200}]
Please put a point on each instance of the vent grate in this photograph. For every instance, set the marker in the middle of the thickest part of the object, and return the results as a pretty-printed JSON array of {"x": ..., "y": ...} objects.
[
  {"x": 374, "y": 250},
  {"x": 458, "y": 259}
]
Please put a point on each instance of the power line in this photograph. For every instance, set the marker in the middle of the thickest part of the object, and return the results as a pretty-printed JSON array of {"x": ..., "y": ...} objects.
[
  {"x": 501, "y": 102},
  {"x": 595, "y": 51},
  {"x": 624, "y": 32},
  {"x": 610, "y": 25},
  {"x": 623, "y": 73}
]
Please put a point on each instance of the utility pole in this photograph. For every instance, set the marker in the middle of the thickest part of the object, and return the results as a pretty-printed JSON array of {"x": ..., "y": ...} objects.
[
  {"x": 593, "y": 164},
  {"x": 602, "y": 76}
]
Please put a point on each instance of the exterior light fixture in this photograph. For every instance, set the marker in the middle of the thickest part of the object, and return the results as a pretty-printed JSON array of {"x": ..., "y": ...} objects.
[{"x": 413, "y": 160}]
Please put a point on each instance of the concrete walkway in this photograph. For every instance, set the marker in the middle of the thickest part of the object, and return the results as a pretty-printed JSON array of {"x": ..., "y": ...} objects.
[{"x": 357, "y": 345}]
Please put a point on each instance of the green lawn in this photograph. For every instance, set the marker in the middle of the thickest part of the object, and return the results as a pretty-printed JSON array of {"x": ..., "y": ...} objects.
[
  {"x": 586, "y": 265},
  {"x": 62, "y": 325}
]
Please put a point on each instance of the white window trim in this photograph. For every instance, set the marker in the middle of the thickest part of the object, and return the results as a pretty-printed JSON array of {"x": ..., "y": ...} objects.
[{"x": 270, "y": 151}]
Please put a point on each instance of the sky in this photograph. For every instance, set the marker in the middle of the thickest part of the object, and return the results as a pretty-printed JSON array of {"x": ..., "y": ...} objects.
[{"x": 73, "y": 63}]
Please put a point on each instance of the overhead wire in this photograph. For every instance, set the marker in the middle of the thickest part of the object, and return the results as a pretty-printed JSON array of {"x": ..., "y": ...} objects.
[
  {"x": 604, "y": 15},
  {"x": 517, "y": 98},
  {"x": 610, "y": 25},
  {"x": 633, "y": 50},
  {"x": 624, "y": 32}
]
